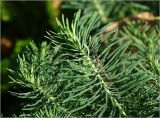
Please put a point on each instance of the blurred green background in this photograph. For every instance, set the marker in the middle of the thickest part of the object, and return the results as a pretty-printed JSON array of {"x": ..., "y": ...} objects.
[{"x": 24, "y": 21}]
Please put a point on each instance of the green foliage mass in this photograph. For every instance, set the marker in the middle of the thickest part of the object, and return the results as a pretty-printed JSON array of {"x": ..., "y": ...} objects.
[
  {"x": 77, "y": 75},
  {"x": 110, "y": 10}
]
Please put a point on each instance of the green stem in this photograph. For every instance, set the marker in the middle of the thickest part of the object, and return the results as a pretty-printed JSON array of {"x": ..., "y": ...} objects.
[
  {"x": 114, "y": 101},
  {"x": 100, "y": 10}
]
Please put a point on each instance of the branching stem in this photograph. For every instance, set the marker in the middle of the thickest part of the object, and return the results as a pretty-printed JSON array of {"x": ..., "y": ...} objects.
[
  {"x": 102, "y": 68},
  {"x": 114, "y": 101}
]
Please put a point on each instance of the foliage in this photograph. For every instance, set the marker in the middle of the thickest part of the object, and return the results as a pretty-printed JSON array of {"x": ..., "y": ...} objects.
[
  {"x": 146, "y": 43},
  {"x": 21, "y": 21},
  {"x": 77, "y": 75},
  {"x": 108, "y": 10}
]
